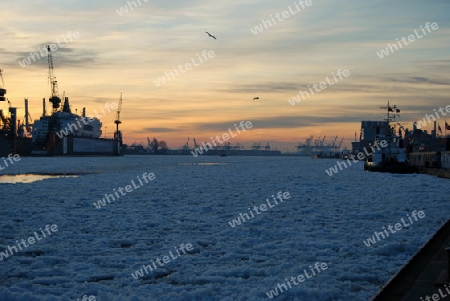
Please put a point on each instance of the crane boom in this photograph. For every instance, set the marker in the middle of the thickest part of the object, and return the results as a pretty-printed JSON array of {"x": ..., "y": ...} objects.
[
  {"x": 2, "y": 89},
  {"x": 1, "y": 77},
  {"x": 55, "y": 100},
  {"x": 119, "y": 108}
]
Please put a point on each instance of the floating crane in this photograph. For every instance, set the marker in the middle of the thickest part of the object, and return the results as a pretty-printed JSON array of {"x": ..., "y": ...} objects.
[{"x": 55, "y": 99}]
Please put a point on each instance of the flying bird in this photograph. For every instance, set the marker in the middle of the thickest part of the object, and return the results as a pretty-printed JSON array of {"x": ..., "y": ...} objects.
[{"x": 211, "y": 35}]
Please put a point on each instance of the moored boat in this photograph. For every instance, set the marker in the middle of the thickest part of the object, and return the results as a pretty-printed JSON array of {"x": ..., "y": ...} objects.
[{"x": 388, "y": 152}]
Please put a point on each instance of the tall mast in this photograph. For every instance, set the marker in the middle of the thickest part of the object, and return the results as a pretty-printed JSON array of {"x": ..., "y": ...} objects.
[{"x": 390, "y": 117}]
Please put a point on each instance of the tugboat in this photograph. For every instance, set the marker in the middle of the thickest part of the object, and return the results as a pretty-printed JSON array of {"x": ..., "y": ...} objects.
[{"x": 389, "y": 154}]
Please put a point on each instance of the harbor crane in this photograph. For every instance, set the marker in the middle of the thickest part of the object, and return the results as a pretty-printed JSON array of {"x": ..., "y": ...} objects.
[
  {"x": 117, "y": 121},
  {"x": 256, "y": 146},
  {"x": 117, "y": 133},
  {"x": 55, "y": 99},
  {"x": 2, "y": 87}
]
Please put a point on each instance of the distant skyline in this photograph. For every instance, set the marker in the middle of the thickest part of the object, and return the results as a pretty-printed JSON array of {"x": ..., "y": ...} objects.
[{"x": 262, "y": 49}]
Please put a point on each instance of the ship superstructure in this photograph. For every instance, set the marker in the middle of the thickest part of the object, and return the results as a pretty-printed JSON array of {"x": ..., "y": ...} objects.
[
  {"x": 388, "y": 150},
  {"x": 65, "y": 123}
]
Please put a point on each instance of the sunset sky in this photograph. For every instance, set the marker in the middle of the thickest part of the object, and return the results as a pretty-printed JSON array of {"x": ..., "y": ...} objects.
[{"x": 129, "y": 52}]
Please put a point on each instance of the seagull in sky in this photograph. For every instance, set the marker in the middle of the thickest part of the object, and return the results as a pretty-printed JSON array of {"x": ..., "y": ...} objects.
[{"x": 211, "y": 35}]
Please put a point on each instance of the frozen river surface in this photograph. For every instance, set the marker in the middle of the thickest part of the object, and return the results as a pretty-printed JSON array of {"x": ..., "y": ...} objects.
[{"x": 171, "y": 236}]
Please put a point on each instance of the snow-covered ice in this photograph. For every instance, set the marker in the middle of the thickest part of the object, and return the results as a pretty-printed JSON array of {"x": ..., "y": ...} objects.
[{"x": 191, "y": 200}]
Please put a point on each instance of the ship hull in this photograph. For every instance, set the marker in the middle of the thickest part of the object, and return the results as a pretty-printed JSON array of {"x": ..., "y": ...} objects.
[
  {"x": 20, "y": 146},
  {"x": 5, "y": 147},
  {"x": 397, "y": 167},
  {"x": 79, "y": 146}
]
